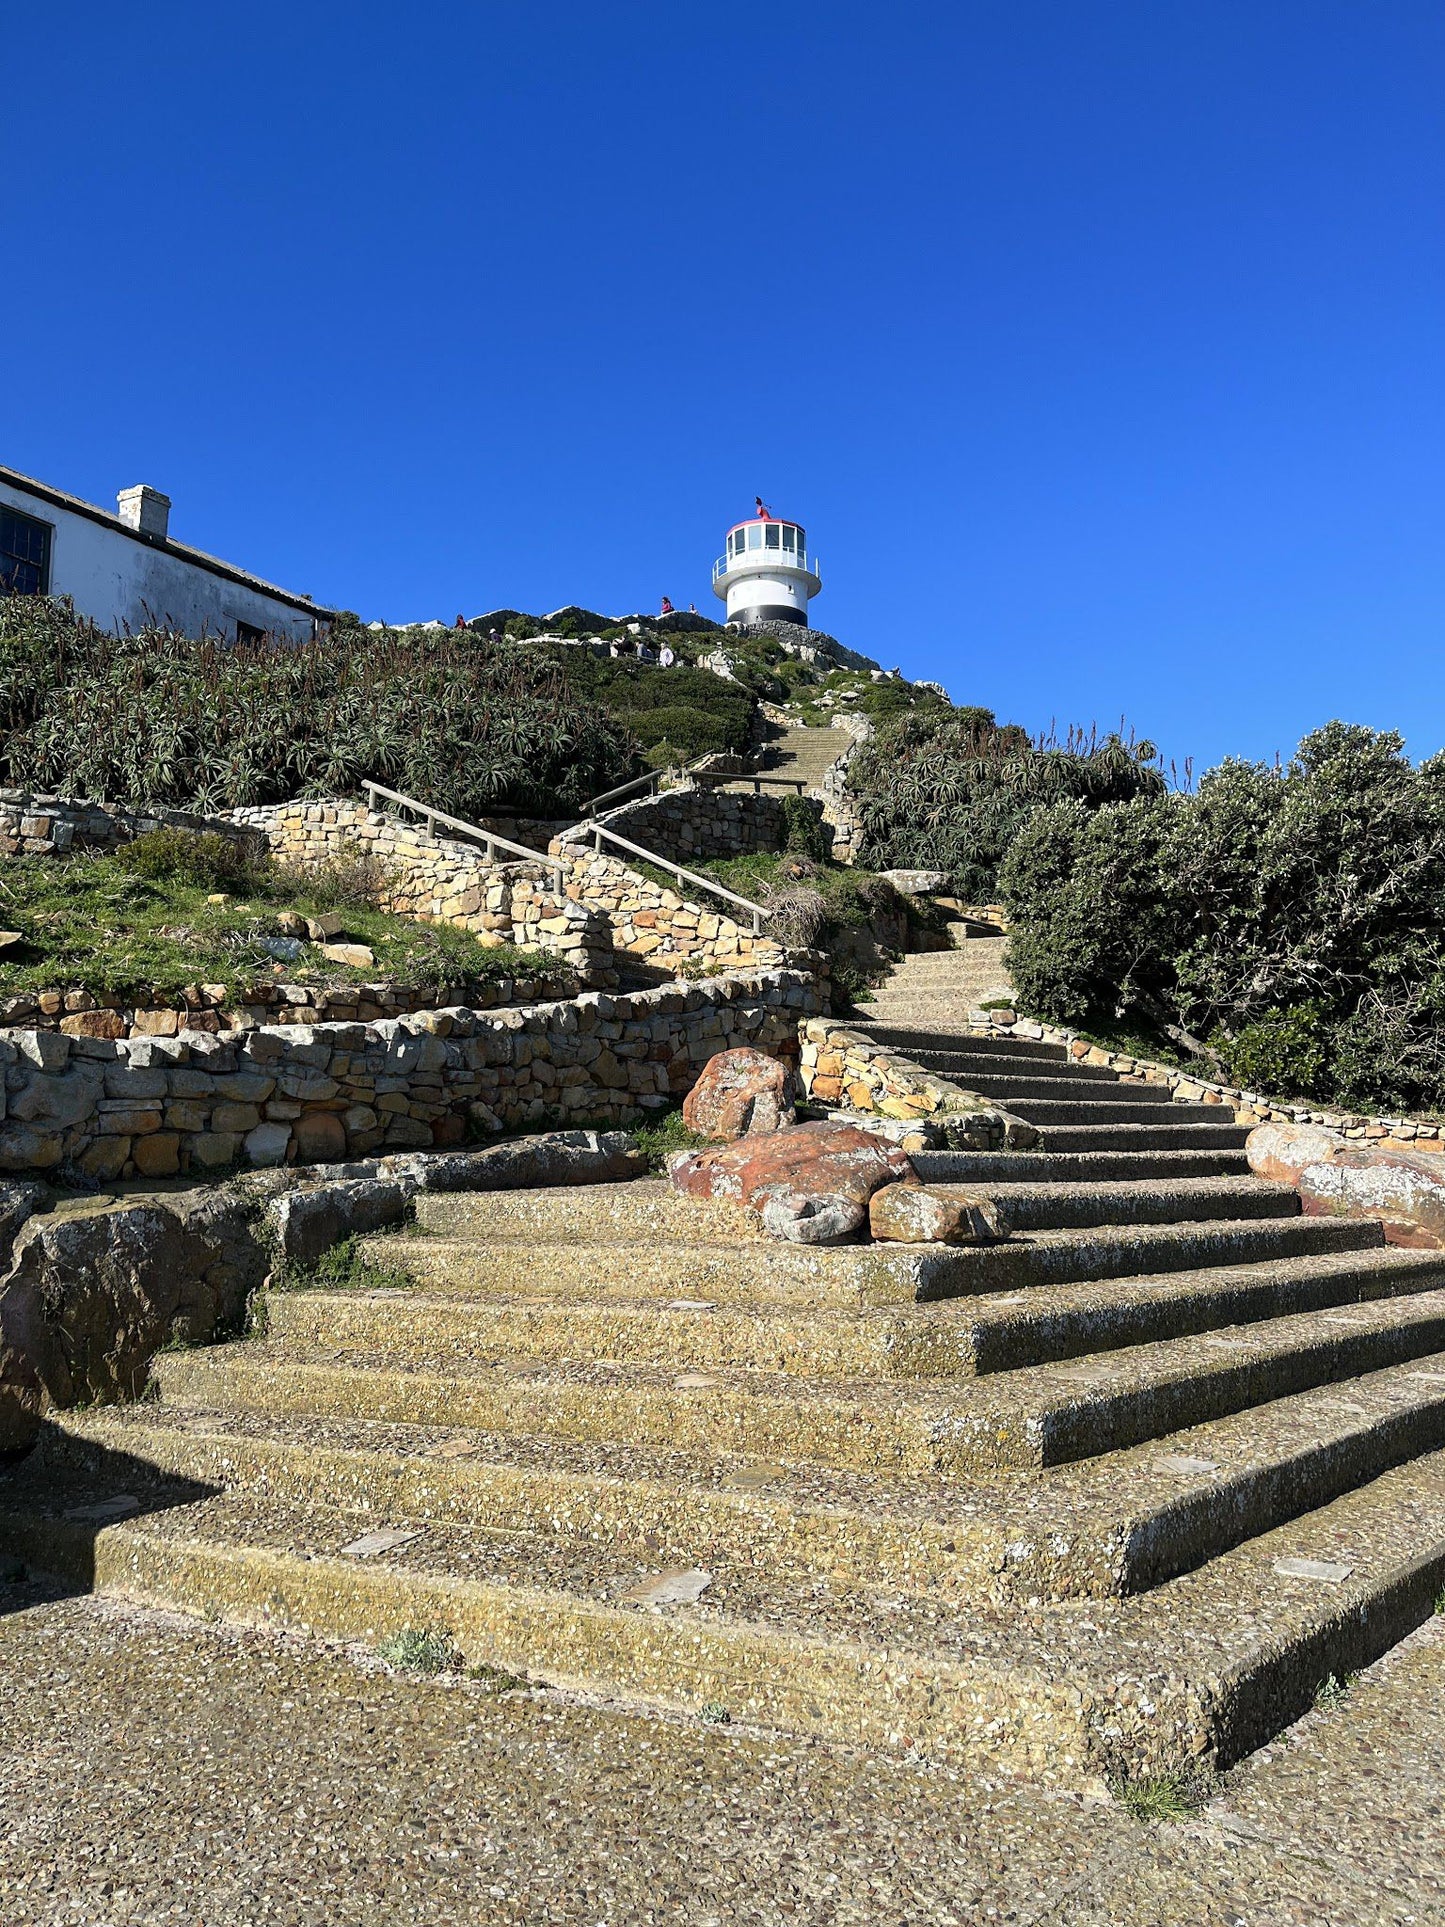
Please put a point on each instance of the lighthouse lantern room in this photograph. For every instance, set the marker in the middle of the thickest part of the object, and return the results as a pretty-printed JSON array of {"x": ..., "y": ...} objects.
[{"x": 766, "y": 573}]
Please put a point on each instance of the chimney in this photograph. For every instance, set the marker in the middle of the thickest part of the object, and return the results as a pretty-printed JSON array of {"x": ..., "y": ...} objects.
[{"x": 145, "y": 509}]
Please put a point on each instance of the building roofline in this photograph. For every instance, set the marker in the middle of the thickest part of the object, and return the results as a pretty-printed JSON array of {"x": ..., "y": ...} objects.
[{"x": 183, "y": 552}]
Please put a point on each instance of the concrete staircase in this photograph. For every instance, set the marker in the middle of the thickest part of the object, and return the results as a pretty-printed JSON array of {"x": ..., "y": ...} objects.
[
  {"x": 806, "y": 753},
  {"x": 1114, "y": 1497}
]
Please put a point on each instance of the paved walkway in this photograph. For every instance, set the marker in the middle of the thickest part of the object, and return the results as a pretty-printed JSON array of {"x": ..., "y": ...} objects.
[{"x": 158, "y": 1770}]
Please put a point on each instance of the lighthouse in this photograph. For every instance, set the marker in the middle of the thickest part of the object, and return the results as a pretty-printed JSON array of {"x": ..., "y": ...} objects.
[{"x": 766, "y": 574}]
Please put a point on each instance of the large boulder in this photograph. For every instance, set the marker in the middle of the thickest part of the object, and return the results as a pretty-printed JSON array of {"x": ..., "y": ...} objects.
[
  {"x": 91, "y": 1296},
  {"x": 1283, "y": 1151},
  {"x": 942, "y": 1214},
  {"x": 810, "y": 1183},
  {"x": 1405, "y": 1190},
  {"x": 741, "y": 1093}
]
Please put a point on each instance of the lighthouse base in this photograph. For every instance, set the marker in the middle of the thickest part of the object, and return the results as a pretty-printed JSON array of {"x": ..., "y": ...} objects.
[{"x": 765, "y": 615}]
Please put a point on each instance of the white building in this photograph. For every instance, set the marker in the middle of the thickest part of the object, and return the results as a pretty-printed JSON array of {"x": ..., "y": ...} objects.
[
  {"x": 124, "y": 571},
  {"x": 766, "y": 574}
]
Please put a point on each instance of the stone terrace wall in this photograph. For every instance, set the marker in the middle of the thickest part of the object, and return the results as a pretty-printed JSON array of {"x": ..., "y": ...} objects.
[
  {"x": 37, "y": 825},
  {"x": 153, "y": 1106},
  {"x": 698, "y": 823},
  {"x": 207, "y": 1007},
  {"x": 842, "y": 1067},
  {"x": 440, "y": 880},
  {"x": 656, "y": 925},
  {"x": 1249, "y": 1107}
]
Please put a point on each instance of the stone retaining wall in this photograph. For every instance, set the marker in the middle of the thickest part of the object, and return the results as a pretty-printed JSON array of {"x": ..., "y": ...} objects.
[
  {"x": 32, "y": 824},
  {"x": 210, "y": 1007},
  {"x": 842, "y": 1067},
  {"x": 1250, "y": 1107},
  {"x": 657, "y": 925},
  {"x": 693, "y": 823},
  {"x": 153, "y": 1106},
  {"x": 442, "y": 880}
]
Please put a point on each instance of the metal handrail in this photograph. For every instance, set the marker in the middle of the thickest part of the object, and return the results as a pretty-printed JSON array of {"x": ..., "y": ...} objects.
[
  {"x": 600, "y": 834},
  {"x": 717, "y": 778},
  {"x": 489, "y": 839},
  {"x": 803, "y": 560}
]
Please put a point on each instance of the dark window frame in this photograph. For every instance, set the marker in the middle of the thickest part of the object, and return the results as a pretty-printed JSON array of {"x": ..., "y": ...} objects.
[{"x": 26, "y": 546}]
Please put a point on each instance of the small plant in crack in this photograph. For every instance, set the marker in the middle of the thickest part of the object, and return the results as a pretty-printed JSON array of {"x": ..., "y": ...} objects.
[
  {"x": 420, "y": 1649},
  {"x": 1163, "y": 1796}
]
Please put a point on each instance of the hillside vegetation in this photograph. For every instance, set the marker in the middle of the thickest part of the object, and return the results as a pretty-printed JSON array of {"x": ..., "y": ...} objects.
[
  {"x": 155, "y": 719},
  {"x": 1286, "y": 923}
]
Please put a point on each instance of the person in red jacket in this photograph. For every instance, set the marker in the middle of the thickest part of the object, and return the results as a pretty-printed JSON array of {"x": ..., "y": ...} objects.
[{"x": 667, "y": 605}]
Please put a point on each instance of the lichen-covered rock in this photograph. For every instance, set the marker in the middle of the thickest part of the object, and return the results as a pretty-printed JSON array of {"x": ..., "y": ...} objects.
[
  {"x": 549, "y": 1157},
  {"x": 1405, "y": 1190},
  {"x": 306, "y": 1224},
  {"x": 944, "y": 1214},
  {"x": 819, "y": 1176},
  {"x": 741, "y": 1093},
  {"x": 90, "y": 1298},
  {"x": 1282, "y": 1151}
]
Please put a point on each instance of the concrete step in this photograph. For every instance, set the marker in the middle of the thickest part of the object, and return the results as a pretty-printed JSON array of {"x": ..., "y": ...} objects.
[
  {"x": 958, "y": 1337},
  {"x": 910, "y": 1040},
  {"x": 1104, "y": 1528},
  {"x": 1015, "y": 1068},
  {"x": 1067, "y": 1089},
  {"x": 643, "y": 1211},
  {"x": 1020, "y": 1420},
  {"x": 848, "y": 1276},
  {"x": 1054, "y": 1167},
  {"x": 1063, "y": 1691},
  {"x": 1117, "y": 1104},
  {"x": 1169, "y": 1200},
  {"x": 1168, "y": 1134}
]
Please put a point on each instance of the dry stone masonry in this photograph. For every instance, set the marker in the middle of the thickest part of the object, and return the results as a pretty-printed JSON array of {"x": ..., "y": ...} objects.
[
  {"x": 309, "y": 1093},
  {"x": 840, "y": 1066},
  {"x": 40, "y": 825}
]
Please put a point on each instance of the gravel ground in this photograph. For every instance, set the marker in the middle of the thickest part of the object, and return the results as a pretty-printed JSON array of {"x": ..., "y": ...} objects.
[{"x": 157, "y": 1770}]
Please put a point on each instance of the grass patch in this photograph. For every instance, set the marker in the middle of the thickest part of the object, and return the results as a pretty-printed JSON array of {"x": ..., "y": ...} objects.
[
  {"x": 420, "y": 1649},
  {"x": 1163, "y": 1796},
  {"x": 714, "y": 1713},
  {"x": 496, "y": 1679},
  {"x": 661, "y": 1137},
  {"x": 173, "y": 908},
  {"x": 346, "y": 1267}
]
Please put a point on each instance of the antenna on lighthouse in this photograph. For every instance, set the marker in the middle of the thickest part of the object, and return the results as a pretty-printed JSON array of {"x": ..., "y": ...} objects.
[{"x": 766, "y": 574}]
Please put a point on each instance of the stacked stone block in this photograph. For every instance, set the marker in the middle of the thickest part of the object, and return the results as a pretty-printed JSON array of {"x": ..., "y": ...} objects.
[
  {"x": 32, "y": 824},
  {"x": 843, "y": 1068},
  {"x": 200, "y": 1102},
  {"x": 651, "y": 922}
]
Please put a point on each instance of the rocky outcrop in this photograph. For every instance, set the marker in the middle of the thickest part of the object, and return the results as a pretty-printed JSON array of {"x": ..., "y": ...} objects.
[
  {"x": 943, "y": 1214},
  {"x": 809, "y": 1183},
  {"x": 741, "y": 1093},
  {"x": 1283, "y": 1151}
]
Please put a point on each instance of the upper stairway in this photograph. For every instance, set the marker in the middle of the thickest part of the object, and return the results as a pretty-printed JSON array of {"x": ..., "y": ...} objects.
[{"x": 806, "y": 754}]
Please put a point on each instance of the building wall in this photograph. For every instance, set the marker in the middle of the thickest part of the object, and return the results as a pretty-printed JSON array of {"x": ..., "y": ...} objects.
[{"x": 120, "y": 582}]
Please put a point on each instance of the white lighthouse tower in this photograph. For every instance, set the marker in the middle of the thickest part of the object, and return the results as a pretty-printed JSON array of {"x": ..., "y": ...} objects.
[{"x": 766, "y": 573}]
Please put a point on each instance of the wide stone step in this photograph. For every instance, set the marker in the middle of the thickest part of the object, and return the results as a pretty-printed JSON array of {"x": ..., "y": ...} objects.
[
  {"x": 1107, "y": 1527},
  {"x": 950, "y": 1338},
  {"x": 639, "y": 1212},
  {"x": 1054, "y": 1167},
  {"x": 857, "y": 1275},
  {"x": 1027, "y": 1419},
  {"x": 1169, "y": 1134},
  {"x": 1076, "y": 1204},
  {"x": 1064, "y": 1691},
  {"x": 1119, "y": 1104},
  {"x": 1068, "y": 1089},
  {"x": 909, "y": 1040},
  {"x": 963, "y": 1065}
]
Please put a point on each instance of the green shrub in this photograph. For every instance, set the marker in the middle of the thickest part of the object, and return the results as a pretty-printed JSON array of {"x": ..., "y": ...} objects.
[
  {"x": 1284, "y": 1052},
  {"x": 803, "y": 831},
  {"x": 205, "y": 859}
]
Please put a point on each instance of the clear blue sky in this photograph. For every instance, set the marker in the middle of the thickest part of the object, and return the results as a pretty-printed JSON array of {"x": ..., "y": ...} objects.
[{"x": 1099, "y": 347}]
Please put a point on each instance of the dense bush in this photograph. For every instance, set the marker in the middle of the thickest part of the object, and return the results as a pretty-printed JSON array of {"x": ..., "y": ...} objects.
[
  {"x": 207, "y": 860},
  {"x": 157, "y": 720},
  {"x": 1287, "y": 922},
  {"x": 675, "y": 714},
  {"x": 949, "y": 789}
]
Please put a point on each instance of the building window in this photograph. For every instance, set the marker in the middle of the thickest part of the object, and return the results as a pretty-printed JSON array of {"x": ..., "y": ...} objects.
[
  {"x": 248, "y": 632},
  {"x": 772, "y": 535},
  {"x": 755, "y": 536},
  {"x": 24, "y": 554},
  {"x": 790, "y": 536}
]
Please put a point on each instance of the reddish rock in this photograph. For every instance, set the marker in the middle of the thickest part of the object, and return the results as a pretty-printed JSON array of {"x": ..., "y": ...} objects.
[
  {"x": 741, "y": 1093},
  {"x": 1405, "y": 1190},
  {"x": 944, "y": 1214},
  {"x": 94, "y": 1023},
  {"x": 1282, "y": 1151},
  {"x": 810, "y": 1182}
]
